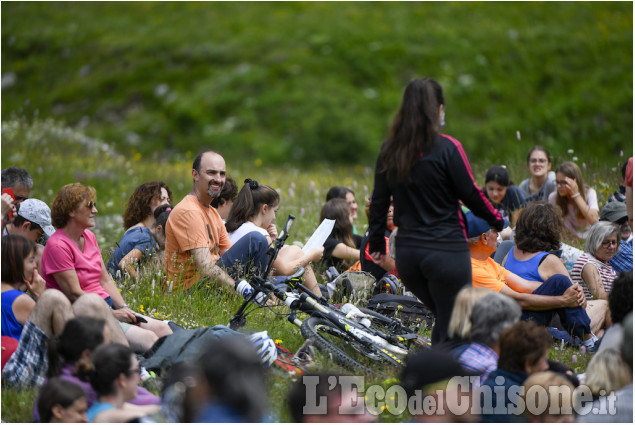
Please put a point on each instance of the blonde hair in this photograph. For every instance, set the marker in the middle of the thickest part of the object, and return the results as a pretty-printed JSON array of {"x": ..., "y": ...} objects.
[
  {"x": 560, "y": 394},
  {"x": 460, "y": 324},
  {"x": 607, "y": 371}
]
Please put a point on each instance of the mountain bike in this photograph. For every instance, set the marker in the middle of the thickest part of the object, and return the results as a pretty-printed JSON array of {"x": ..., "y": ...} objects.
[{"x": 351, "y": 336}]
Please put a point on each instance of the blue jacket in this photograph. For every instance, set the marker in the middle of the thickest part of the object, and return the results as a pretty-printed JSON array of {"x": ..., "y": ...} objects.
[{"x": 508, "y": 384}]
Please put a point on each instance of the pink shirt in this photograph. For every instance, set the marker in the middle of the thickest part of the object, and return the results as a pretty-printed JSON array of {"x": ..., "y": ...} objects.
[{"x": 61, "y": 254}]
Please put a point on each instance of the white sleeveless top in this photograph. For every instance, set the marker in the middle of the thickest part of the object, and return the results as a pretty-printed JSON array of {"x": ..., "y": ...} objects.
[{"x": 245, "y": 228}]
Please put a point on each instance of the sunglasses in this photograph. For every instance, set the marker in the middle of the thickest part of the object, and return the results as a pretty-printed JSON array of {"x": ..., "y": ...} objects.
[
  {"x": 20, "y": 198},
  {"x": 91, "y": 204}
]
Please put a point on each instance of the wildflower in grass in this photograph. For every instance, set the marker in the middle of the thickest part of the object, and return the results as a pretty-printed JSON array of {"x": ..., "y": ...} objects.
[
  {"x": 574, "y": 358},
  {"x": 518, "y": 135},
  {"x": 141, "y": 308},
  {"x": 574, "y": 159},
  {"x": 278, "y": 341},
  {"x": 570, "y": 151}
]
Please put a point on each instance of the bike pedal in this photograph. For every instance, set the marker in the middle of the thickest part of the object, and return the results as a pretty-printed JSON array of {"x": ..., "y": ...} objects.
[{"x": 306, "y": 351}]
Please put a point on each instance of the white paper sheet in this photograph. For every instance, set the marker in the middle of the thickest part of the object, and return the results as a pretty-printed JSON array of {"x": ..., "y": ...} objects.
[{"x": 319, "y": 236}]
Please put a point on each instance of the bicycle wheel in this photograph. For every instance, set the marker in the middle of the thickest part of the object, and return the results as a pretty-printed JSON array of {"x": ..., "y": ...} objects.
[
  {"x": 343, "y": 348},
  {"x": 394, "y": 327}
]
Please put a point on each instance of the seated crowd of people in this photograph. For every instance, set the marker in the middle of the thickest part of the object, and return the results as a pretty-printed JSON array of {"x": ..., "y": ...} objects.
[{"x": 67, "y": 330}]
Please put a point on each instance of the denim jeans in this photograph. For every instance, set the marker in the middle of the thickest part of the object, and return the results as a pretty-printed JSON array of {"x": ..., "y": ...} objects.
[{"x": 575, "y": 320}]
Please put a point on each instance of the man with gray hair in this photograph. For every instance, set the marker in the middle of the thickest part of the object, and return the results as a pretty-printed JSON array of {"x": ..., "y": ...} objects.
[
  {"x": 19, "y": 180},
  {"x": 490, "y": 316}
]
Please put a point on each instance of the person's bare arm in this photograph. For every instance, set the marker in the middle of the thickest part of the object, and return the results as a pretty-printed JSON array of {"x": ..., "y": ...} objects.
[
  {"x": 514, "y": 218},
  {"x": 127, "y": 263},
  {"x": 7, "y": 205},
  {"x": 553, "y": 265},
  {"x": 122, "y": 312},
  {"x": 519, "y": 284},
  {"x": 543, "y": 302},
  {"x": 22, "y": 308},
  {"x": 591, "y": 277},
  {"x": 345, "y": 252},
  {"x": 125, "y": 414},
  {"x": 69, "y": 284},
  {"x": 590, "y": 214},
  {"x": 207, "y": 267},
  {"x": 386, "y": 262},
  {"x": 550, "y": 266}
]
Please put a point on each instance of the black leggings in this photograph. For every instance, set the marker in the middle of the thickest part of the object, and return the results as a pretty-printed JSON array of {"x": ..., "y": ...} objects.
[{"x": 435, "y": 277}]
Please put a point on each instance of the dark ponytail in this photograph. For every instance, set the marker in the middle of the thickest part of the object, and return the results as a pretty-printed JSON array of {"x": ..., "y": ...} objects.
[
  {"x": 79, "y": 334},
  {"x": 250, "y": 198}
]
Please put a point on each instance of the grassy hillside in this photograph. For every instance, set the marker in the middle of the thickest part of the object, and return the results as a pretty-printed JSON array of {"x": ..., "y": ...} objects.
[
  {"x": 306, "y": 82},
  {"x": 56, "y": 155}
]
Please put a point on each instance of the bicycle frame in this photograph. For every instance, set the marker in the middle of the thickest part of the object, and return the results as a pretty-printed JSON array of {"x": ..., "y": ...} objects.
[{"x": 308, "y": 302}]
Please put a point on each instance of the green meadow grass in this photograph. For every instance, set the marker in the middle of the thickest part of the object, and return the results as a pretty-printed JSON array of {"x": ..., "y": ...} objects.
[
  {"x": 305, "y": 81},
  {"x": 66, "y": 155}
]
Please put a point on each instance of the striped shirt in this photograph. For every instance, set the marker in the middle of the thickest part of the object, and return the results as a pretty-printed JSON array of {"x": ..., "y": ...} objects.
[{"x": 607, "y": 274}]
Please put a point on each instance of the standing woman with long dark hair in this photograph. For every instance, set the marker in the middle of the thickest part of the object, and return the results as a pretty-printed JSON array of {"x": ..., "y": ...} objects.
[{"x": 428, "y": 174}]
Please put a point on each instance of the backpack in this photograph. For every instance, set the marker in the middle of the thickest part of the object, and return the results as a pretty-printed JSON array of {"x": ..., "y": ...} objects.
[
  {"x": 353, "y": 287},
  {"x": 182, "y": 345},
  {"x": 409, "y": 310}
]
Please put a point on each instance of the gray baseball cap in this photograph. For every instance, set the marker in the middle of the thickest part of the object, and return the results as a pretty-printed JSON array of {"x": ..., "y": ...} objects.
[
  {"x": 613, "y": 211},
  {"x": 37, "y": 212}
]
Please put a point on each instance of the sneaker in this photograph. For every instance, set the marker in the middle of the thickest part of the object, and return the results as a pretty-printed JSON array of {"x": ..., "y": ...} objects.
[{"x": 596, "y": 345}]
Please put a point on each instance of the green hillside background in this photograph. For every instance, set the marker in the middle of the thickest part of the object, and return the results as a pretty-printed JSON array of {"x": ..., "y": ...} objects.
[{"x": 317, "y": 82}]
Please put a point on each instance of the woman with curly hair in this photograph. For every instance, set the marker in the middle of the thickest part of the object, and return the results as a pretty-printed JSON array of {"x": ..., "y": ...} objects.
[
  {"x": 144, "y": 233},
  {"x": 538, "y": 231},
  {"x": 72, "y": 263},
  {"x": 578, "y": 203},
  {"x": 142, "y": 203}
]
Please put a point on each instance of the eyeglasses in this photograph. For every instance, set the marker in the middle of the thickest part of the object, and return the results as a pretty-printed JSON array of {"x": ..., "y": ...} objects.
[
  {"x": 19, "y": 198},
  {"x": 607, "y": 244},
  {"x": 91, "y": 204},
  {"x": 133, "y": 371},
  {"x": 537, "y": 161}
]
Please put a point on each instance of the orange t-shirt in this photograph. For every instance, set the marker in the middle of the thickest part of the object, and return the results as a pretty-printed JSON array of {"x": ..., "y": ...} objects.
[
  {"x": 191, "y": 225},
  {"x": 488, "y": 274}
]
